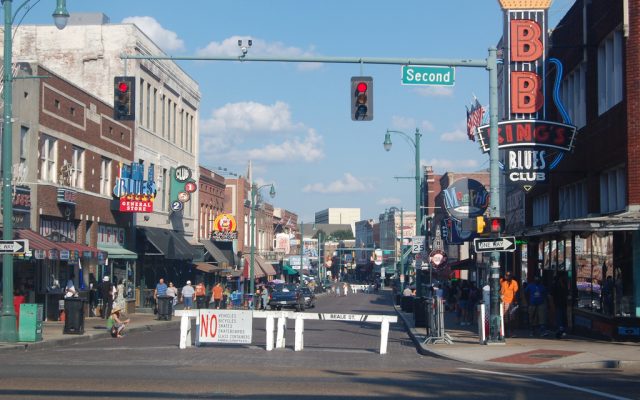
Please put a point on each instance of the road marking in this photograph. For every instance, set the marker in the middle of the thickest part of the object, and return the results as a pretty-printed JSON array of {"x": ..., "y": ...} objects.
[{"x": 549, "y": 382}]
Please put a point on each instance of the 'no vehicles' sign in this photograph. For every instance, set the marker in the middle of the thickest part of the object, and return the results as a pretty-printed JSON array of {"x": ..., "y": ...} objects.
[{"x": 225, "y": 326}]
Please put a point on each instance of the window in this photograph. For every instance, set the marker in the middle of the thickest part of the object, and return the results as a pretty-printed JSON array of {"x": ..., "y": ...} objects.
[
  {"x": 141, "y": 95},
  {"x": 610, "y": 72},
  {"x": 162, "y": 190},
  {"x": 169, "y": 119},
  {"x": 613, "y": 190},
  {"x": 162, "y": 117},
  {"x": 573, "y": 200},
  {"x": 24, "y": 143},
  {"x": 155, "y": 108},
  {"x": 77, "y": 164},
  {"x": 574, "y": 97},
  {"x": 48, "y": 159},
  {"x": 148, "y": 109},
  {"x": 541, "y": 210},
  {"x": 105, "y": 176}
]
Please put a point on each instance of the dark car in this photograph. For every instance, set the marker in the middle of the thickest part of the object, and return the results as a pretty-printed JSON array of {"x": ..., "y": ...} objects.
[
  {"x": 286, "y": 295},
  {"x": 309, "y": 297}
]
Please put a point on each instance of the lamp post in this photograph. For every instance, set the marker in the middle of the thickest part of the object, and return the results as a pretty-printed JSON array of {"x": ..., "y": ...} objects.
[
  {"x": 8, "y": 318},
  {"x": 254, "y": 193},
  {"x": 301, "y": 248},
  {"x": 416, "y": 145}
]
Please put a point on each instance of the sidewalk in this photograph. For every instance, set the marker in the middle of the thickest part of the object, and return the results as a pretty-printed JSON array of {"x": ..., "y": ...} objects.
[
  {"x": 523, "y": 351},
  {"x": 94, "y": 328}
]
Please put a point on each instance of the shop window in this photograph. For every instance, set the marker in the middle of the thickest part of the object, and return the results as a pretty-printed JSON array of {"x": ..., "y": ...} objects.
[
  {"x": 572, "y": 200},
  {"x": 610, "y": 72},
  {"x": 596, "y": 273},
  {"x": 613, "y": 190},
  {"x": 77, "y": 164},
  {"x": 541, "y": 210},
  {"x": 48, "y": 159},
  {"x": 574, "y": 96},
  {"x": 105, "y": 176}
]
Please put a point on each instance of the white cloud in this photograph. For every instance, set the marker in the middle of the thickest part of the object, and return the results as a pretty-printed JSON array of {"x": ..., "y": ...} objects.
[
  {"x": 434, "y": 91},
  {"x": 229, "y": 47},
  {"x": 250, "y": 117},
  {"x": 308, "y": 149},
  {"x": 459, "y": 133},
  {"x": 167, "y": 40},
  {"x": 408, "y": 124},
  {"x": 389, "y": 201},
  {"x": 348, "y": 184},
  {"x": 443, "y": 165}
]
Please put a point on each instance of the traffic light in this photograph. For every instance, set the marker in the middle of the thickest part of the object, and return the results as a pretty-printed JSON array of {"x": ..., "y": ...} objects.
[
  {"x": 124, "y": 98},
  {"x": 481, "y": 223},
  {"x": 496, "y": 224},
  {"x": 361, "y": 98}
]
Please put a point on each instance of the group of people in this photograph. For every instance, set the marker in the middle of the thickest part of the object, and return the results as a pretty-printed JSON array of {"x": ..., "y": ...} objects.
[{"x": 194, "y": 296}]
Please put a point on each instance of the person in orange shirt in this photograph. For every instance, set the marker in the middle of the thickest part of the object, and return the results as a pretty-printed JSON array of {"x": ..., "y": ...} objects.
[
  {"x": 508, "y": 290},
  {"x": 216, "y": 297}
]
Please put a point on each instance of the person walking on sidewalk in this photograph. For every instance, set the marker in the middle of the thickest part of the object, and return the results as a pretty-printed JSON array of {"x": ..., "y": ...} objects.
[
  {"x": 508, "y": 292},
  {"x": 107, "y": 297},
  {"x": 537, "y": 295},
  {"x": 216, "y": 296},
  {"x": 201, "y": 295},
  {"x": 188, "y": 293},
  {"x": 559, "y": 294},
  {"x": 172, "y": 292}
]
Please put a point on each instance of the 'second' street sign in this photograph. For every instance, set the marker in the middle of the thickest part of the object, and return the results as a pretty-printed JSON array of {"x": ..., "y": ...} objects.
[
  {"x": 494, "y": 244},
  {"x": 428, "y": 75},
  {"x": 14, "y": 246}
]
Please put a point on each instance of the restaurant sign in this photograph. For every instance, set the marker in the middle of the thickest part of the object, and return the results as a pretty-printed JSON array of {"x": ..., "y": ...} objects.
[{"x": 224, "y": 228}]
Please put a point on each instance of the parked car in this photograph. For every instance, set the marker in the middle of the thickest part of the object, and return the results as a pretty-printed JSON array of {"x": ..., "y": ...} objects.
[
  {"x": 309, "y": 297},
  {"x": 286, "y": 295}
]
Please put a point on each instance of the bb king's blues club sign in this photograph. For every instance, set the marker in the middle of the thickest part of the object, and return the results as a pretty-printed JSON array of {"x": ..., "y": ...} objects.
[
  {"x": 135, "y": 193},
  {"x": 532, "y": 145}
]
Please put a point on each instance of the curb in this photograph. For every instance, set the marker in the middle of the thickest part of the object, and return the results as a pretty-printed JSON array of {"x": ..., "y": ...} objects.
[{"x": 76, "y": 339}]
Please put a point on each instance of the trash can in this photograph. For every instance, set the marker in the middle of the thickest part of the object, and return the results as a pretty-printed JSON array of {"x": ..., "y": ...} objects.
[
  {"x": 74, "y": 316},
  {"x": 419, "y": 312},
  {"x": 406, "y": 304},
  {"x": 165, "y": 308},
  {"x": 30, "y": 328}
]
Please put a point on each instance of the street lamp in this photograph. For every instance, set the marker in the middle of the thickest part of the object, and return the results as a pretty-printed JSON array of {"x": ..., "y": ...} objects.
[
  {"x": 254, "y": 193},
  {"x": 8, "y": 318},
  {"x": 416, "y": 145}
]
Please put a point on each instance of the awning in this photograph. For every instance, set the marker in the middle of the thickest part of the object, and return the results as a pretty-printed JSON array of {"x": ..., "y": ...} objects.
[
  {"x": 171, "y": 244},
  {"x": 257, "y": 271},
  {"x": 288, "y": 270},
  {"x": 208, "y": 268},
  {"x": 81, "y": 250},
  {"x": 462, "y": 264},
  {"x": 118, "y": 252},
  {"x": 265, "y": 265},
  {"x": 221, "y": 256},
  {"x": 36, "y": 241}
]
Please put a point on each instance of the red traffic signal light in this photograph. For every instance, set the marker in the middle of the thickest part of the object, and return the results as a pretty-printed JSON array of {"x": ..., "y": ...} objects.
[
  {"x": 124, "y": 98},
  {"x": 361, "y": 98},
  {"x": 496, "y": 224}
]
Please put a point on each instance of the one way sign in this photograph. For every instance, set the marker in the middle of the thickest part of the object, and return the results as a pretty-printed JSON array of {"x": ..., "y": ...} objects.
[
  {"x": 494, "y": 244},
  {"x": 14, "y": 246}
]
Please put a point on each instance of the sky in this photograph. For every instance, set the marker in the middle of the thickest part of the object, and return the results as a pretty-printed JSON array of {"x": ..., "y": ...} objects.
[{"x": 292, "y": 120}]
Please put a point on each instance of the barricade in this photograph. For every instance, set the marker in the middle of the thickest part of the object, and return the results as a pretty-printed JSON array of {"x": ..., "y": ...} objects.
[
  {"x": 435, "y": 322},
  {"x": 280, "y": 317},
  {"x": 484, "y": 325}
]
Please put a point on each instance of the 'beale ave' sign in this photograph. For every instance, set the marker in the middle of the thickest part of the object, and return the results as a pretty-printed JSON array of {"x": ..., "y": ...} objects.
[{"x": 490, "y": 244}]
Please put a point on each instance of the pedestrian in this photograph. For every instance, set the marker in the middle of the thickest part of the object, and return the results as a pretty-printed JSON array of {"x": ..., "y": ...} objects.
[
  {"x": 161, "y": 291},
  {"x": 508, "y": 294},
  {"x": 265, "y": 297},
  {"x": 559, "y": 294},
  {"x": 345, "y": 288},
  {"x": 188, "y": 293},
  {"x": 120, "y": 300},
  {"x": 106, "y": 291},
  {"x": 226, "y": 296},
  {"x": 70, "y": 289},
  {"x": 172, "y": 292},
  {"x": 117, "y": 322},
  {"x": 93, "y": 295},
  {"x": 463, "y": 303},
  {"x": 537, "y": 295},
  {"x": 216, "y": 296},
  {"x": 201, "y": 295}
]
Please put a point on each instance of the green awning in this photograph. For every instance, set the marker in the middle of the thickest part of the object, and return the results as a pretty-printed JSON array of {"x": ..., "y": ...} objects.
[
  {"x": 118, "y": 252},
  {"x": 288, "y": 270}
]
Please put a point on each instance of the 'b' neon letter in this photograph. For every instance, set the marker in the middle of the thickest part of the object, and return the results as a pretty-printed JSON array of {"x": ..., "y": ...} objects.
[
  {"x": 526, "y": 93},
  {"x": 525, "y": 40}
]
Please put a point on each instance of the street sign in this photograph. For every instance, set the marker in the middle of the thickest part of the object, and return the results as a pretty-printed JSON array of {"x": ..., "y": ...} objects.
[
  {"x": 494, "y": 244},
  {"x": 14, "y": 246},
  {"x": 428, "y": 75},
  {"x": 417, "y": 244}
]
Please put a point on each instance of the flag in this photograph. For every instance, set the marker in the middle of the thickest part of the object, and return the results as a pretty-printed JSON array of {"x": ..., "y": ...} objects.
[{"x": 474, "y": 118}]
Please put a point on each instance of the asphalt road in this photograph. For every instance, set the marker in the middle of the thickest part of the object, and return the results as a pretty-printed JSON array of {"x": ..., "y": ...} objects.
[{"x": 340, "y": 360}]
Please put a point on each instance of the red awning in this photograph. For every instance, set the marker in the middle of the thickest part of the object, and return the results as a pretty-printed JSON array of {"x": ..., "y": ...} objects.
[
  {"x": 257, "y": 271},
  {"x": 80, "y": 249},
  {"x": 36, "y": 241}
]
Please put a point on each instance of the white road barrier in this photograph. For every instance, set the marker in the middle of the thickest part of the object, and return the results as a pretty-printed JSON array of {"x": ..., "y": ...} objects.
[{"x": 299, "y": 317}]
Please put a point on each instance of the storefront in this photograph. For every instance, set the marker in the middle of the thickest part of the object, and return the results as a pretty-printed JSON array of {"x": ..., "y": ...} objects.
[
  {"x": 120, "y": 263},
  {"x": 602, "y": 268}
]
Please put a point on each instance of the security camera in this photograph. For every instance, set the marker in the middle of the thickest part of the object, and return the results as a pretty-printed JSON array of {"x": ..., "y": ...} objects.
[
  {"x": 250, "y": 42},
  {"x": 239, "y": 42}
]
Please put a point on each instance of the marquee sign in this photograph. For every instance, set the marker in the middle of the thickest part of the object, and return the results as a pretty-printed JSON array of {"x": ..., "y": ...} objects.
[
  {"x": 224, "y": 228},
  {"x": 466, "y": 198},
  {"x": 534, "y": 145},
  {"x": 135, "y": 194}
]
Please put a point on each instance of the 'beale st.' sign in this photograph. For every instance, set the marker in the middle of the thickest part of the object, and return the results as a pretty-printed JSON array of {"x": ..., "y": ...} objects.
[{"x": 532, "y": 144}]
